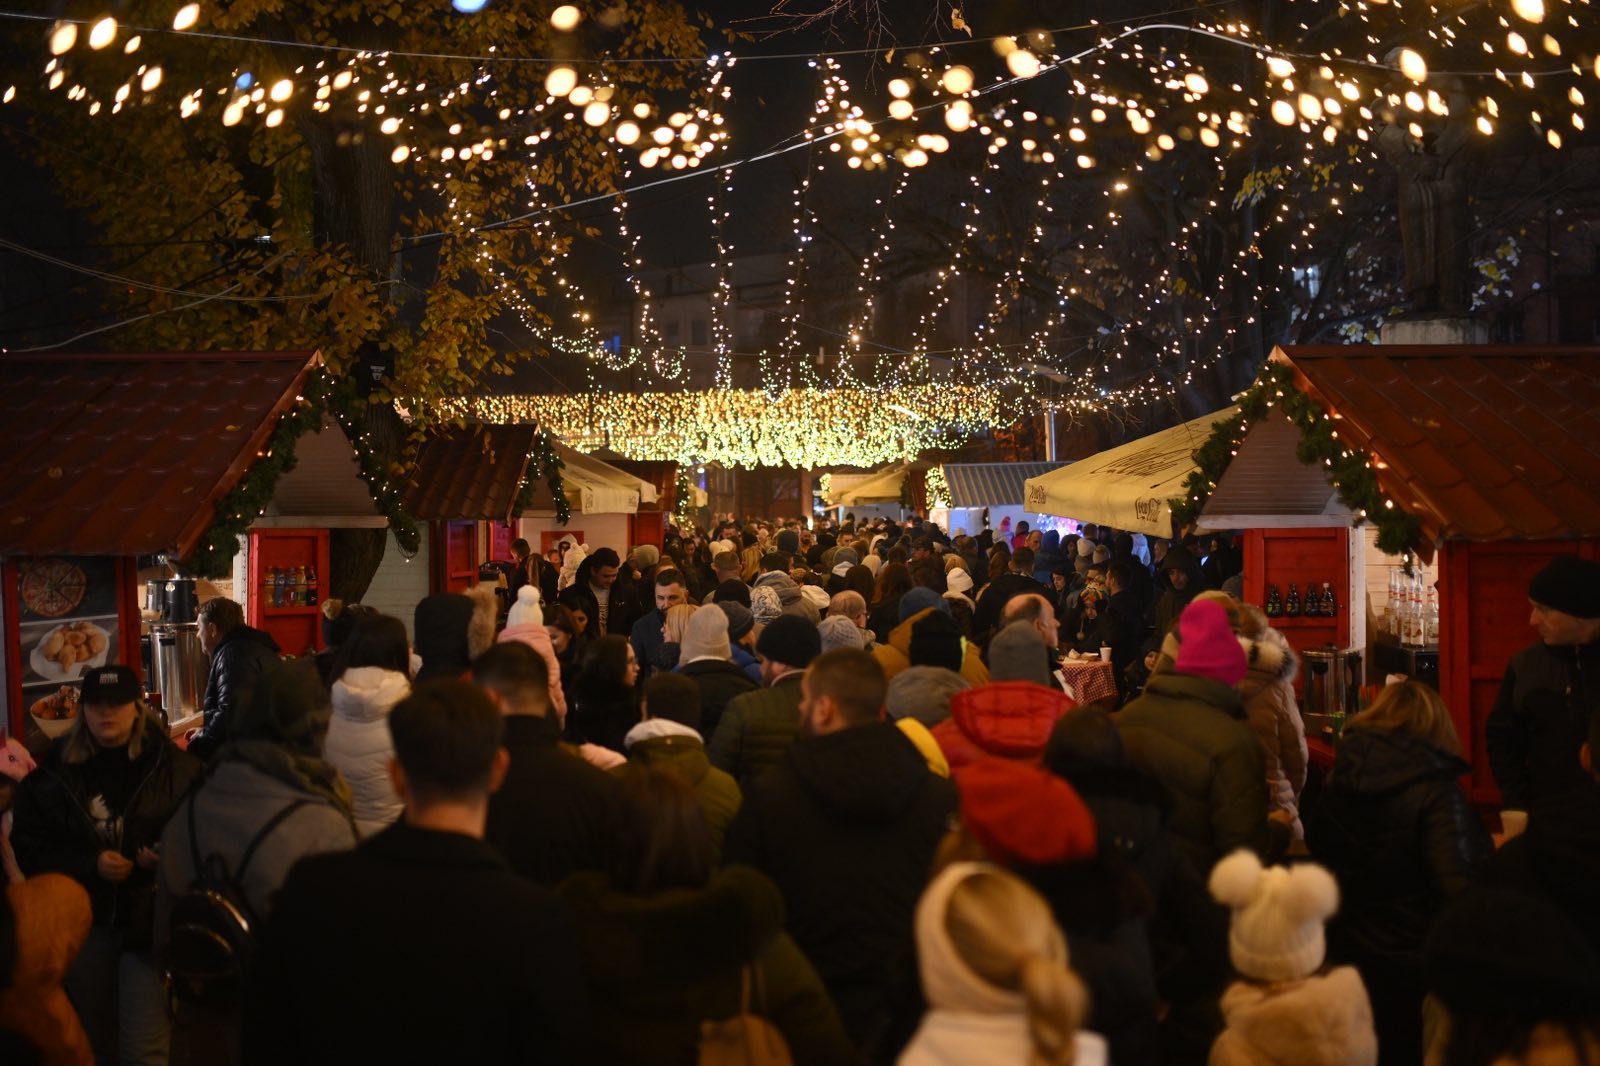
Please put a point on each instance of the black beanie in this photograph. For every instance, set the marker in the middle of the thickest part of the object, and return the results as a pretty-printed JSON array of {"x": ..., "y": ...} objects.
[
  {"x": 1568, "y": 584},
  {"x": 789, "y": 541},
  {"x": 732, "y": 591},
  {"x": 936, "y": 641},
  {"x": 790, "y": 640}
]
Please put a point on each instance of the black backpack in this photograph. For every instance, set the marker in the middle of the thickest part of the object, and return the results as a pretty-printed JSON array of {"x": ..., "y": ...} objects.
[{"x": 212, "y": 928}]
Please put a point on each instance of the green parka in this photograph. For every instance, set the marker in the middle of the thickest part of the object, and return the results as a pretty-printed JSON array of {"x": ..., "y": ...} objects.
[{"x": 1190, "y": 734}]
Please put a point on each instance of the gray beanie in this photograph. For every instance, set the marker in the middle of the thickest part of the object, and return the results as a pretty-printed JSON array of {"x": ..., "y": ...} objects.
[
  {"x": 1017, "y": 653},
  {"x": 838, "y": 632},
  {"x": 740, "y": 620},
  {"x": 707, "y": 635},
  {"x": 646, "y": 555},
  {"x": 923, "y": 693}
]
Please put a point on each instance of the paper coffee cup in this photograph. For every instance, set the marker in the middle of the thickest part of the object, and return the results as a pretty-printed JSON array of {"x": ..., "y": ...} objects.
[
  {"x": 1513, "y": 823},
  {"x": 1105, "y": 653}
]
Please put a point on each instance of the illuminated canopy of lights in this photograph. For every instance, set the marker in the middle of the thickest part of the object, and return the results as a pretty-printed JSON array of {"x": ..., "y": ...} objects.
[
  {"x": 1507, "y": 63},
  {"x": 804, "y": 428}
]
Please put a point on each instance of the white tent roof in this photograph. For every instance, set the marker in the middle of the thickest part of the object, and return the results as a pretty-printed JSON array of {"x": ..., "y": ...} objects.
[
  {"x": 1128, "y": 486},
  {"x": 597, "y": 487},
  {"x": 880, "y": 487}
]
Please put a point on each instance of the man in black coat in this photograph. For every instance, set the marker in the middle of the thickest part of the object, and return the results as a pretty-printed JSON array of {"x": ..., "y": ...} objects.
[
  {"x": 554, "y": 813},
  {"x": 597, "y": 579},
  {"x": 421, "y": 945},
  {"x": 1551, "y": 689},
  {"x": 847, "y": 826},
  {"x": 1017, "y": 581},
  {"x": 239, "y": 655}
]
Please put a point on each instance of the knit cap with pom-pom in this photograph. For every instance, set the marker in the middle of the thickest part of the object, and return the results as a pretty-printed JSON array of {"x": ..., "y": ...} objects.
[
  {"x": 526, "y": 611},
  {"x": 1278, "y": 915}
]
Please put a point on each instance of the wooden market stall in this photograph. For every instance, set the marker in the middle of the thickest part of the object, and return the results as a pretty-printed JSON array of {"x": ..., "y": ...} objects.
[
  {"x": 114, "y": 462},
  {"x": 1483, "y": 461}
]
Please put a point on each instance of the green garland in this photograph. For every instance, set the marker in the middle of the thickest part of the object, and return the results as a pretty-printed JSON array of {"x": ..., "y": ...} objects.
[
  {"x": 683, "y": 507},
  {"x": 213, "y": 556},
  {"x": 1350, "y": 471},
  {"x": 543, "y": 461}
]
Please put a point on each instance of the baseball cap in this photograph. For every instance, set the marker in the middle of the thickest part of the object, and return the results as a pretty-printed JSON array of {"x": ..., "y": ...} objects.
[{"x": 110, "y": 686}]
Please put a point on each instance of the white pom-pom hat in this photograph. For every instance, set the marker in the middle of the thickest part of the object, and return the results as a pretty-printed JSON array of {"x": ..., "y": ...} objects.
[
  {"x": 526, "y": 611},
  {"x": 1278, "y": 915}
]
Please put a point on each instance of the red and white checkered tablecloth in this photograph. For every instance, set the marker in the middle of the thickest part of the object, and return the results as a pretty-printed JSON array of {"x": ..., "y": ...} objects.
[{"x": 1091, "y": 681}]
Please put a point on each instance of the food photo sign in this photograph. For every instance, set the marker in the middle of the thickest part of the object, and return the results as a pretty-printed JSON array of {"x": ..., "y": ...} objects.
[{"x": 68, "y": 620}]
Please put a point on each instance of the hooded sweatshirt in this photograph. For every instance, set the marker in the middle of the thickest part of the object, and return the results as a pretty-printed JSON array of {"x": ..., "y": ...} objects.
[
  {"x": 790, "y": 599},
  {"x": 359, "y": 745}
]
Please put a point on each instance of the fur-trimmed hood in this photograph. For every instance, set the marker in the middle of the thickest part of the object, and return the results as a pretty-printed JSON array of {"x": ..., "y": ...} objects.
[
  {"x": 1271, "y": 660},
  {"x": 480, "y": 628}
]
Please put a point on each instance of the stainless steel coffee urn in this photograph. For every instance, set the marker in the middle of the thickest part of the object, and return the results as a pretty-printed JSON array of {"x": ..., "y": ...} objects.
[{"x": 177, "y": 668}]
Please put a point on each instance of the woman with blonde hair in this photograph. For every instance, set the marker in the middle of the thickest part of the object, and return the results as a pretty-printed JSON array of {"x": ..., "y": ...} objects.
[
  {"x": 994, "y": 970},
  {"x": 664, "y": 656},
  {"x": 1395, "y": 829}
]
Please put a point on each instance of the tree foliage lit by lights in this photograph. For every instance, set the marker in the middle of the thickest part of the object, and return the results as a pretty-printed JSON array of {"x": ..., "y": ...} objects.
[{"x": 319, "y": 173}]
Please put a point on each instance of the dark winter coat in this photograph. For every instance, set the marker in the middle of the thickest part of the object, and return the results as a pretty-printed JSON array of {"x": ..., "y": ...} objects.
[
  {"x": 554, "y": 813},
  {"x": 847, "y": 828},
  {"x": 1170, "y": 606},
  {"x": 675, "y": 748},
  {"x": 602, "y": 716},
  {"x": 646, "y": 638},
  {"x": 238, "y": 659},
  {"x": 622, "y": 609},
  {"x": 54, "y": 829},
  {"x": 720, "y": 681},
  {"x": 426, "y": 949},
  {"x": 1189, "y": 733},
  {"x": 661, "y": 965},
  {"x": 1558, "y": 857},
  {"x": 756, "y": 729},
  {"x": 1001, "y": 591},
  {"x": 1540, "y": 720},
  {"x": 1396, "y": 831}
]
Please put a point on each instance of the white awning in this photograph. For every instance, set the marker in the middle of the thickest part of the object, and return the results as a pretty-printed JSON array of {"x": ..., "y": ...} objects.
[
  {"x": 1128, "y": 486},
  {"x": 881, "y": 487},
  {"x": 595, "y": 487}
]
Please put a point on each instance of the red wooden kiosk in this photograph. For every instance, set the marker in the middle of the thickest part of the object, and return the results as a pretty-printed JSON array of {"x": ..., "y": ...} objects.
[
  {"x": 110, "y": 458},
  {"x": 1496, "y": 453}
]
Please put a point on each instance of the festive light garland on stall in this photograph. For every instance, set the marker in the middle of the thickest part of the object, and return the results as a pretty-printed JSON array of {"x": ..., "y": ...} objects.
[
  {"x": 1352, "y": 473},
  {"x": 247, "y": 501}
]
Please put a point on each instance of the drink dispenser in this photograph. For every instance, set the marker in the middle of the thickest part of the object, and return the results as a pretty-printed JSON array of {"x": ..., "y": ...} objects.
[{"x": 1332, "y": 678}]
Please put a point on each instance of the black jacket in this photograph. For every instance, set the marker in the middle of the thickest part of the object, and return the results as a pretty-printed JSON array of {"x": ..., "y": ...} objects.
[
  {"x": 622, "y": 609},
  {"x": 1120, "y": 627},
  {"x": 1541, "y": 719},
  {"x": 241, "y": 657},
  {"x": 554, "y": 812},
  {"x": 419, "y": 946},
  {"x": 54, "y": 831},
  {"x": 846, "y": 826},
  {"x": 1001, "y": 591},
  {"x": 1558, "y": 857},
  {"x": 719, "y": 682},
  {"x": 1395, "y": 830}
]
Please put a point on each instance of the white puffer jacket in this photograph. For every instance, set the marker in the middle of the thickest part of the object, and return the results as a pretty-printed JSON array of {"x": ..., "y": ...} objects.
[{"x": 358, "y": 741}]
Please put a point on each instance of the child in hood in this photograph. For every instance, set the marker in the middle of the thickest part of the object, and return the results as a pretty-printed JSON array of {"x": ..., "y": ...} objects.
[{"x": 1287, "y": 1009}]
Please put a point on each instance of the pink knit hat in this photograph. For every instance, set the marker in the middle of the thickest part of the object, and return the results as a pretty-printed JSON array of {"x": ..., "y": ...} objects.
[{"x": 1209, "y": 647}]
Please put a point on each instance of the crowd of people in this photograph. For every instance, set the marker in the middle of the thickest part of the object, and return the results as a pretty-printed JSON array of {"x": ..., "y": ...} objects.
[{"x": 826, "y": 789}]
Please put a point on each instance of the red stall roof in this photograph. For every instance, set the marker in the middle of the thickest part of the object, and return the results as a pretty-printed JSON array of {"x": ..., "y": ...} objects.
[
  {"x": 472, "y": 472},
  {"x": 129, "y": 454},
  {"x": 1482, "y": 442}
]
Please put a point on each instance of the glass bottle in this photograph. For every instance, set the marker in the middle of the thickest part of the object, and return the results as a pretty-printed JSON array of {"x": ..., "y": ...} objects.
[
  {"x": 1330, "y": 606},
  {"x": 1291, "y": 606},
  {"x": 1274, "y": 605}
]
